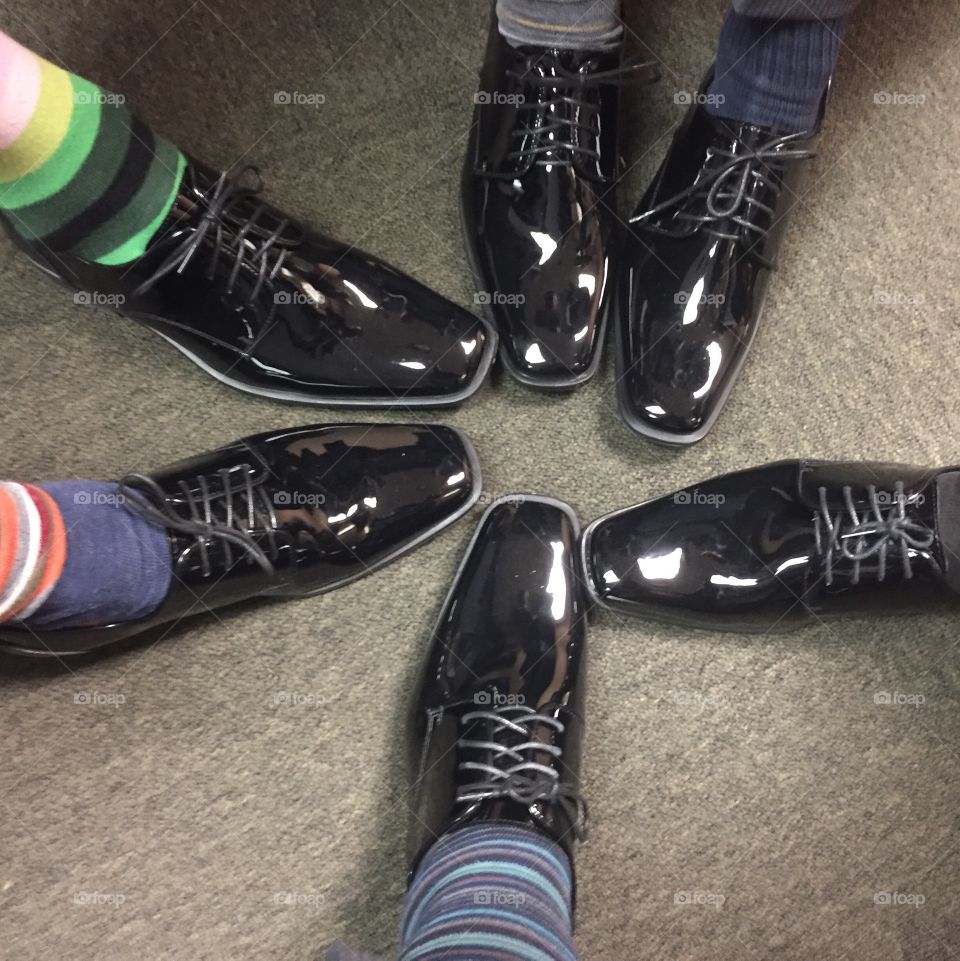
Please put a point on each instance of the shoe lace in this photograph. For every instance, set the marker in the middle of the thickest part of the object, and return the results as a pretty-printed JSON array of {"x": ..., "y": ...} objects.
[
  {"x": 513, "y": 772},
  {"x": 216, "y": 514},
  {"x": 563, "y": 117},
  {"x": 725, "y": 192},
  {"x": 857, "y": 537},
  {"x": 232, "y": 223}
]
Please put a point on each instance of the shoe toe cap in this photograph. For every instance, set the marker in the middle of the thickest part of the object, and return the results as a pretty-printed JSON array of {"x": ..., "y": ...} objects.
[
  {"x": 553, "y": 335},
  {"x": 671, "y": 391}
]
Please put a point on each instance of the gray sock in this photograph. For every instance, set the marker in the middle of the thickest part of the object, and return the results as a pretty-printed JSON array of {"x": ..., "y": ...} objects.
[{"x": 567, "y": 24}]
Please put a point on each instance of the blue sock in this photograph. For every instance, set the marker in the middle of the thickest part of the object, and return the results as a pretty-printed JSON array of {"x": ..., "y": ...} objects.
[
  {"x": 490, "y": 892},
  {"x": 772, "y": 73},
  {"x": 118, "y": 565}
]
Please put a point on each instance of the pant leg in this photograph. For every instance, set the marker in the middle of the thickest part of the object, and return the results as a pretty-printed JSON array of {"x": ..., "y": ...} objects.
[{"x": 568, "y": 24}]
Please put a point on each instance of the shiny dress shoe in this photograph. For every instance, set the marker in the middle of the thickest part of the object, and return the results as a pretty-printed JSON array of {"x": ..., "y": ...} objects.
[
  {"x": 695, "y": 268},
  {"x": 784, "y": 545},
  {"x": 266, "y": 305},
  {"x": 498, "y": 722},
  {"x": 286, "y": 514},
  {"x": 538, "y": 205}
]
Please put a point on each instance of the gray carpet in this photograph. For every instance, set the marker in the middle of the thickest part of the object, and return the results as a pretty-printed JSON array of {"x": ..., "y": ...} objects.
[{"x": 200, "y": 819}]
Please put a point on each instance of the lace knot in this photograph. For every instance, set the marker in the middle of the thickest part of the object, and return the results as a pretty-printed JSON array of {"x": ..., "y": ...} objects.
[
  {"x": 195, "y": 513},
  {"x": 725, "y": 195},
  {"x": 857, "y": 537},
  {"x": 511, "y": 770},
  {"x": 235, "y": 237}
]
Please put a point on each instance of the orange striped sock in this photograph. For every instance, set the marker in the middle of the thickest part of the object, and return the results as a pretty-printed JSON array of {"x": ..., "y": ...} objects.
[{"x": 33, "y": 548}]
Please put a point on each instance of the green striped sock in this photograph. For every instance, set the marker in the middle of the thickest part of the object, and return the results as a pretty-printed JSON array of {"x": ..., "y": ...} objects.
[{"x": 78, "y": 172}]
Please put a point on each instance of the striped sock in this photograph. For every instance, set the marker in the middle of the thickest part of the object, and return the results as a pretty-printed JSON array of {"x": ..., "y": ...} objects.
[
  {"x": 772, "y": 73},
  {"x": 490, "y": 892},
  {"x": 73, "y": 555},
  {"x": 77, "y": 171},
  {"x": 33, "y": 548}
]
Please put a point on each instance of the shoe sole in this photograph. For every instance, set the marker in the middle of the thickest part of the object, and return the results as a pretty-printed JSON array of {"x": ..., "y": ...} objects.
[
  {"x": 120, "y": 632},
  {"x": 546, "y": 384},
  {"x": 434, "y": 401}
]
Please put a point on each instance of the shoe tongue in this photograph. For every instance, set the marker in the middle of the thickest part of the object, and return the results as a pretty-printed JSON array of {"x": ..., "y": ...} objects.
[{"x": 736, "y": 133}]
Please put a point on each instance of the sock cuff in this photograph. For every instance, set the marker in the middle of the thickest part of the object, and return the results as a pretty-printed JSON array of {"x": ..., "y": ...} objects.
[
  {"x": 78, "y": 171},
  {"x": 56, "y": 550},
  {"x": 32, "y": 547},
  {"x": 492, "y": 890}
]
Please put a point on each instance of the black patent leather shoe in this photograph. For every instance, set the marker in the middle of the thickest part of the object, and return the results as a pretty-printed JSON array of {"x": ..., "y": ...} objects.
[
  {"x": 538, "y": 204},
  {"x": 498, "y": 721},
  {"x": 286, "y": 514},
  {"x": 270, "y": 307},
  {"x": 784, "y": 545},
  {"x": 695, "y": 268}
]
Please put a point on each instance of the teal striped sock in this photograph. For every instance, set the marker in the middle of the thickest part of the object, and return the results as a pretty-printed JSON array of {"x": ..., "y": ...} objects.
[{"x": 490, "y": 892}]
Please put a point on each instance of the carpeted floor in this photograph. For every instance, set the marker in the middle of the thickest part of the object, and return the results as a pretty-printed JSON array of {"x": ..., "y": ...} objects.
[{"x": 202, "y": 819}]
